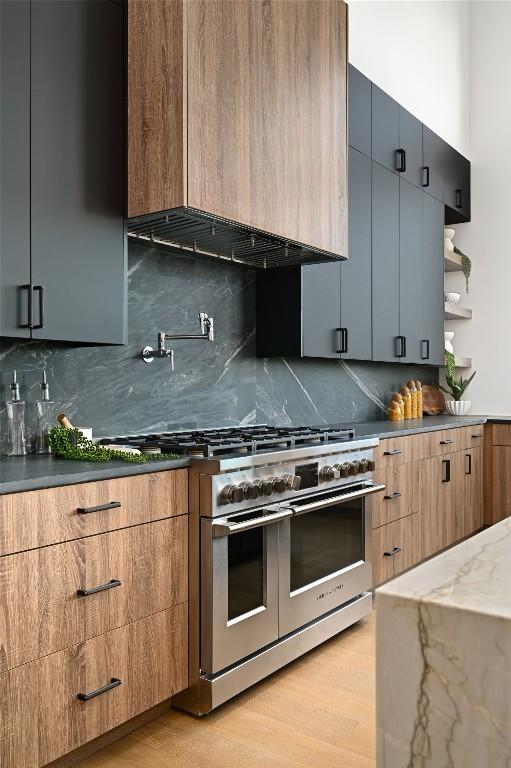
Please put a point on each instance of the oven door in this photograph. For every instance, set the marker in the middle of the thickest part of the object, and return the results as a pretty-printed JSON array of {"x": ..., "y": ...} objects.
[
  {"x": 325, "y": 554},
  {"x": 239, "y": 585}
]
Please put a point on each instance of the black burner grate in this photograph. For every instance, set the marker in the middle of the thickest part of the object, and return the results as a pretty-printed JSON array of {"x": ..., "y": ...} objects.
[{"x": 232, "y": 440}]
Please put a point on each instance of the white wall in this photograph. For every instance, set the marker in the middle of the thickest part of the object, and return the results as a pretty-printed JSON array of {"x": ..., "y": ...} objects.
[
  {"x": 486, "y": 239},
  {"x": 418, "y": 52}
]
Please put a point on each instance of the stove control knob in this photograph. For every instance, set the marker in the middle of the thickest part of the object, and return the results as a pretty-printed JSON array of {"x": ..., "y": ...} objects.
[
  {"x": 354, "y": 467},
  {"x": 265, "y": 488},
  {"x": 278, "y": 484},
  {"x": 364, "y": 465},
  {"x": 371, "y": 465},
  {"x": 232, "y": 494},
  {"x": 329, "y": 473},
  {"x": 250, "y": 490},
  {"x": 344, "y": 469},
  {"x": 293, "y": 482}
]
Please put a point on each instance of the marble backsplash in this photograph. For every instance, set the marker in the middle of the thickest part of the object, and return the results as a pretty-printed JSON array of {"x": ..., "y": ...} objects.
[{"x": 214, "y": 384}]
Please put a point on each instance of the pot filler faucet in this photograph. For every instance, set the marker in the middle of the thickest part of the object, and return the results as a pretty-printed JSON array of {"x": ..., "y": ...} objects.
[{"x": 206, "y": 332}]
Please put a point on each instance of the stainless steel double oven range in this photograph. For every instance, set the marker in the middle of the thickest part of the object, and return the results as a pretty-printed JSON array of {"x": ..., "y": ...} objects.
[{"x": 280, "y": 558}]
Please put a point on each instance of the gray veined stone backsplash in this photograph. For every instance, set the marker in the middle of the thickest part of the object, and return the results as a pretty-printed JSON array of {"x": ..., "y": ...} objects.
[{"x": 214, "y": 384}]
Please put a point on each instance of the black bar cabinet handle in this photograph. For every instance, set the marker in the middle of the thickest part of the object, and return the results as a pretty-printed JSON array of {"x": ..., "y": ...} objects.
[
  {"x": 447, "y": 441},
  {"x": 425, "y": 176},
  {"x": 344, "y": 338},
  {"x": 392, "y": 552},
  {"x": 468, "y": 469},
  {"x": 476, "y": 435},
  {"x": 114, "y": 683},
  {"x": 102, "y": 588},
  {"x": 339, "y": 345},
  {"x": 400, "y": 346},
  {"x": 401, "y": 160},
  {"x": 458, "y": 199},
  {"x": 393, "y": 452},
  {"x": 391, "y": 496},
  {"x": 40, "y": 291},
  {"x": 425, "y": 356},
  {"x": 446, "y": 471},
  {"x": 30, "y": 311},
  {"x": 99, "y": 508}
]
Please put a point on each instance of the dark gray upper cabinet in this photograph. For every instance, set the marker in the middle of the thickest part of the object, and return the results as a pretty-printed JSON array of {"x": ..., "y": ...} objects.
[
  {"x": 74, "y": 213},
  {"x": 410, "y": 143},
  {"x": 356, "y": 299},
  {"x": 321, "y": 314},
  {"x": 359, "y": 111},
  {"x": 457, "y": 188},
  {"x": 410, "y": 272},
  {"x": 385, "y": 272},
  {"x": 432, "y": 285},
  {"x": 14, "y": 167},
  {"x": 434, "y": 160},
  {"x": 385, "y": 129}
]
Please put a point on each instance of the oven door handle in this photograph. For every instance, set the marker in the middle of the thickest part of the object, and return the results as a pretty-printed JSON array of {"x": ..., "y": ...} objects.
[
  {"x": 368, "y": 489},
  {"x": 225, "y": 528}
]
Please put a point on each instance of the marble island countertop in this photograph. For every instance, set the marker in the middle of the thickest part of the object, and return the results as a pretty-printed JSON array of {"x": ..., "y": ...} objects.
[{"x": 444, "y": 659}]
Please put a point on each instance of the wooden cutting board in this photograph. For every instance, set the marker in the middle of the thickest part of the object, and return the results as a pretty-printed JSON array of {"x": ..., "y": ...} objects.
[{"x": 433, "y": 401}]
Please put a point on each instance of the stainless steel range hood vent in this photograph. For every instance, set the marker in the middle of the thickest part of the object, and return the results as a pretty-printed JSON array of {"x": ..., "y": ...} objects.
[{"x": 209, "y": 235}]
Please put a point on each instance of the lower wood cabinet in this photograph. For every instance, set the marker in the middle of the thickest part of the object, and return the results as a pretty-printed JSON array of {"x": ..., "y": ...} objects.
[
  {"x": 46, "y": 706},
  {"x": 433, "y": 495},
  {"x": 122, "y": 576},
  {"x": 396, "y": 547}
]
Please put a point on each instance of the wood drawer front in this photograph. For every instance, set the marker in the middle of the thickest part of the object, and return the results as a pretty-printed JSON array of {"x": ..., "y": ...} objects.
[
  {"x": 475, "y": 436},
  {"x": 393, "y": 451},
  {"x": 41, "y": 612},
  {"x": 401, "y": 495},
  {"x": 501, "y": 434},
  {"x": 438, "y": 443},
  {"x": 42, "y": 718},
  {"x": 37, "y": 518},
  {"x": 403, "y": 535}
]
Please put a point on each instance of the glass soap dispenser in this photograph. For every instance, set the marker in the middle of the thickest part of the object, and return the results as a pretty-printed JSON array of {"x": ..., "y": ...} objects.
[
  {"x": 45, "y": 411},
  {"x": 16, "y": 438}
]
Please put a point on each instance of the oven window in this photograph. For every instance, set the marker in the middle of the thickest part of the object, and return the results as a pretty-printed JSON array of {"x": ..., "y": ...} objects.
[
  {"x": 325, "y": 541},
  {"x": 246, "y": 572}
]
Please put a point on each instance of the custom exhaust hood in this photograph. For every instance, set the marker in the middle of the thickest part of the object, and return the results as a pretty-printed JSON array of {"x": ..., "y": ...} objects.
[
  {"x": 236, "y": 123},
  {"x": 213, "y": 236}
]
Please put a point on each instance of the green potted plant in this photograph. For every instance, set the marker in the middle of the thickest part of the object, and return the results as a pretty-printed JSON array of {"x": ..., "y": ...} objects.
[
  {"x": 456, "y": 387},
  {"x": 466, "y": 266}
]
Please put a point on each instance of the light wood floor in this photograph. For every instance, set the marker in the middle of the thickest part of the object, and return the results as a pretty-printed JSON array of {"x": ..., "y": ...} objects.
[{"x": 318, "y": 712}]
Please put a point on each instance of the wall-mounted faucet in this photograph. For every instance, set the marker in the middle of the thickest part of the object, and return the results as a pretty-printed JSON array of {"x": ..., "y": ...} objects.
[{"x": 207, "y": 333}]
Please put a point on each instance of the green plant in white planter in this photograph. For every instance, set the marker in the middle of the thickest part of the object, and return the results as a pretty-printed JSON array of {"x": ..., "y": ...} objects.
[{"x": 456, "y": 387}]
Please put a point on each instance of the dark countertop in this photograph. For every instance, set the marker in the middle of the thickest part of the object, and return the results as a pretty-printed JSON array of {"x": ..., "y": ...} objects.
[
  {"x": 28, "y": 473},
  {"x": 383, "y": 429},
  {"x": 34, "y": 472}
]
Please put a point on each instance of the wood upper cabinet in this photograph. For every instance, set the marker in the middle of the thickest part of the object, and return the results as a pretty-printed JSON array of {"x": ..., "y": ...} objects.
[{"x": 250, "y": 123}]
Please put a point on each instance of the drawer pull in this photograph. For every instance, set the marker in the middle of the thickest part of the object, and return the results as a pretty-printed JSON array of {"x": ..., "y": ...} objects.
[
  {"x": 475, "y": 436},
  {"x": 99, "y": 508},
  {"x": 446, "y": 442},
  {"x": 394, "y": 452},
  {"x": 394, "y": 495},
  {"x": 102, "y": 588},
  {"x": 114, "y": 683},
  {"x": 392, "y": 552}
]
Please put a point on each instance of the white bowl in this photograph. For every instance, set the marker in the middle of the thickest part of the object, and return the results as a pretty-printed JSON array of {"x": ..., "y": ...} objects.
[
  {"x": 452, "y": 298},
  {"x": 458, "y": 407}
]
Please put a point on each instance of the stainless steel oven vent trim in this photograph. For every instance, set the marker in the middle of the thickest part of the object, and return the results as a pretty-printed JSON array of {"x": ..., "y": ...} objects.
[{"x": 213, "y": 236}]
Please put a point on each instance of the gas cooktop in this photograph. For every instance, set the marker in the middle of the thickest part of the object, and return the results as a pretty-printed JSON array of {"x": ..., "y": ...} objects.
[{"x": 232, "y": 440}]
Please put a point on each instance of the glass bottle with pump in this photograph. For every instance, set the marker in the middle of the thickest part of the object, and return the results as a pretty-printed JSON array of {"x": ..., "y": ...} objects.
[
  {"x": 16, "y": 437},
  {"x": 45, "y": 410}
]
